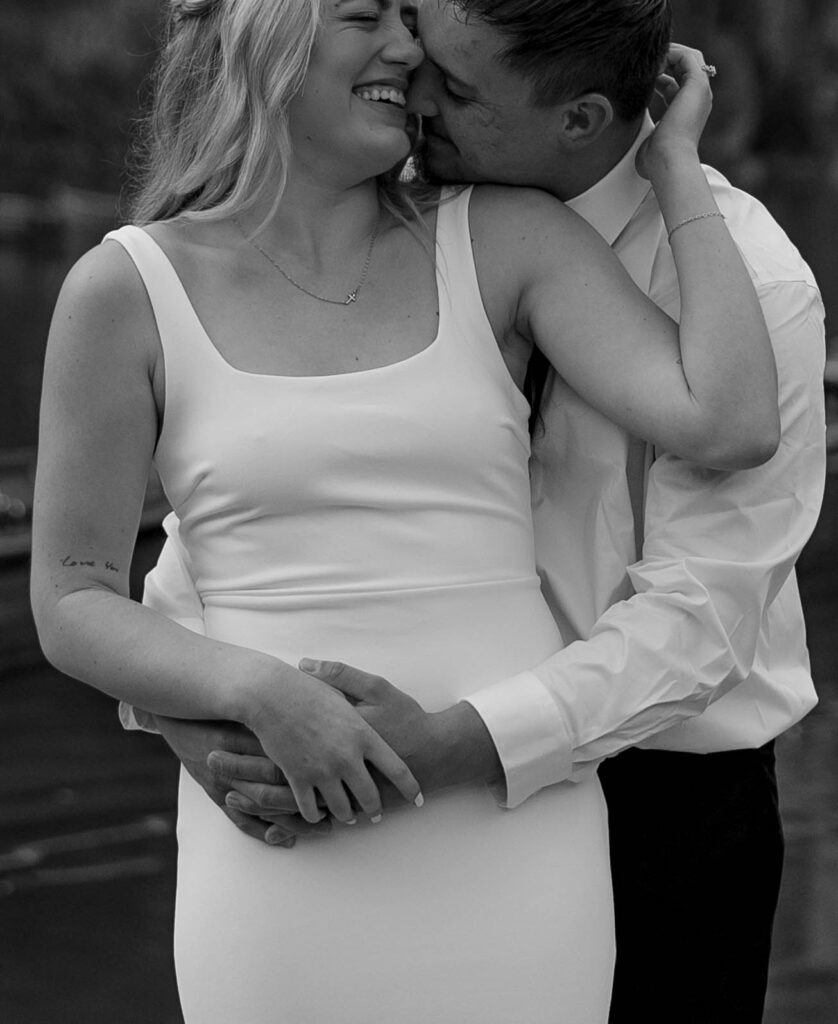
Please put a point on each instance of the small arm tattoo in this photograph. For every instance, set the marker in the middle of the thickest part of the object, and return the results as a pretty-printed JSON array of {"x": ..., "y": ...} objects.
[{"x": 69, "y": 562}]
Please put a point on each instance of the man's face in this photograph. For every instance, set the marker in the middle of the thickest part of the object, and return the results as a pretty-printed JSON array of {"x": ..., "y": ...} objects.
[{"x": 479, "y": 120}]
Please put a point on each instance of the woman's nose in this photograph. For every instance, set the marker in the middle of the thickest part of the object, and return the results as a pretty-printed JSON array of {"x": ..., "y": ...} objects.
[
  {"x": 404, "y": 48},
  {"x": 421, "y": 94}
]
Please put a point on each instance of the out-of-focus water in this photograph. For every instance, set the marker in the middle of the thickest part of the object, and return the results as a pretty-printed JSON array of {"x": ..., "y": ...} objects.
[{"x": 30, "y": 280}]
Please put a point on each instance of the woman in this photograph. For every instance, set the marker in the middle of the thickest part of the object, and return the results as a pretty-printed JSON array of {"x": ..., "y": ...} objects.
[{"x": 349, "y": 466}]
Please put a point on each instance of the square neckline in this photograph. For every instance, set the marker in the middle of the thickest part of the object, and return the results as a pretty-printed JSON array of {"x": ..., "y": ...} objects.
[{"x": 218, "y": 356}]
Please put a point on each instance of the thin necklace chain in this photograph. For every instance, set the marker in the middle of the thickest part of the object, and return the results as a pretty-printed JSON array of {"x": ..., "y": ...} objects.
[{"x": 350, "y": 296}]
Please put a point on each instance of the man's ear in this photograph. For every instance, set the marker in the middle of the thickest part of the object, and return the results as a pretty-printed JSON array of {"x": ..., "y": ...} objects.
[{"x": 584, "y": 119}]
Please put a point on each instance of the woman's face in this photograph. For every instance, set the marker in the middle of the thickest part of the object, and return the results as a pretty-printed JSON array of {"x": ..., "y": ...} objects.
[{"x": 349, "y": 122}]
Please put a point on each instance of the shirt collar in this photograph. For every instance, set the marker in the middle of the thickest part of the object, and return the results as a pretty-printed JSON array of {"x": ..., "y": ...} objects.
[{"x": 609, "y": 205}]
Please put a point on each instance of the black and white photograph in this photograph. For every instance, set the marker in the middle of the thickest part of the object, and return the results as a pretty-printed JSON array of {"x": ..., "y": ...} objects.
[{"x": 419, "y": 512}]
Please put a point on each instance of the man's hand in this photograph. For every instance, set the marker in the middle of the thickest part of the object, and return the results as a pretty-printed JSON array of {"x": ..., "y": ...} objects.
[
  {"x": 449, "y": 748},
  {"x": 207, "y": 750}
]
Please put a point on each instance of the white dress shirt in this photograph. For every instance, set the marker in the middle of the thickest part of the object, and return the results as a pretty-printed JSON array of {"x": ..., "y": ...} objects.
[{"x": 685, "y": 634}]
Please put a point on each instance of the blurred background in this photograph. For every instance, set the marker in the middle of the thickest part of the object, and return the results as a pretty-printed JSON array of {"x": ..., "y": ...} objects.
[{"x": 86, "y": 812}]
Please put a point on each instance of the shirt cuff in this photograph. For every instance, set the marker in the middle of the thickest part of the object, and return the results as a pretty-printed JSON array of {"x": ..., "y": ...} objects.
[
  {"x": 531, "y": 737},
  {"x": 128, "y": 719}
]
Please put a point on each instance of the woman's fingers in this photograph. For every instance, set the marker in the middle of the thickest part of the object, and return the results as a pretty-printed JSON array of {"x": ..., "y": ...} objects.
[
  {"x": 306, "y": 801},
  {"x": 667, "y": 88},
  {"x": 685, "y": 87},
  {"x": 365, "y": 793},
  {"x": 337, "y": 802},
  {"x": 685, "y": 68},
  {"x": 684, "y": 60},
  {"x": 392, "y": 767}
]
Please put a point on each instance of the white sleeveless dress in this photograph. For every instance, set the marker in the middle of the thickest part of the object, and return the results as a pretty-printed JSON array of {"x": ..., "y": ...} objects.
[{"x": 381, "y": 518}]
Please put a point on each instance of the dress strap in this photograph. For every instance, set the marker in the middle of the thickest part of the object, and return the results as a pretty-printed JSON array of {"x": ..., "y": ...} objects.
[
  {"x": 181, "y": 332},
  {"x": 460, "y": 301}
]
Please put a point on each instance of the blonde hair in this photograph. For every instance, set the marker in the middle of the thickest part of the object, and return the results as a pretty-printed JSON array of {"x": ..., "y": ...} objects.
[{"x": 217, "y": 134}]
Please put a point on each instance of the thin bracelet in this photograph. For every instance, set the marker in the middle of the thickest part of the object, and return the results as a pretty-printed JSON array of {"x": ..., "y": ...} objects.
[{"x": 698, "y": 216}]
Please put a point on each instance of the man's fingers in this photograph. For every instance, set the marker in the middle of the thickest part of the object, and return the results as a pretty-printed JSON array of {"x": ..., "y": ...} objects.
[
  {"x": 245, "y": 823},
  {"x": 353, "y": 682},
  {"x": 256, "y": 798},
  {"x": 392, "y": 767},
  {"x": 293, "y": 824},
  {"x": 242, "y": 741},
  {"x": 287, "y": 830},
  {"x": 228, "y": 768}
]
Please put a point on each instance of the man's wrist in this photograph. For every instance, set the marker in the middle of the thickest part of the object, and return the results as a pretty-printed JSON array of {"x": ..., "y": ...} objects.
[{"x": 467, "y": 753}]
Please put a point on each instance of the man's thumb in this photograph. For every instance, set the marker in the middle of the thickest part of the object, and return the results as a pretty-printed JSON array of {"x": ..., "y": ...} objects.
[{"x": 358, "y": 686}]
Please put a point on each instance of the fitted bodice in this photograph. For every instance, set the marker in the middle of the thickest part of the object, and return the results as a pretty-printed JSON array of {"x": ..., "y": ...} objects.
[{"x": 404, "y": 476}]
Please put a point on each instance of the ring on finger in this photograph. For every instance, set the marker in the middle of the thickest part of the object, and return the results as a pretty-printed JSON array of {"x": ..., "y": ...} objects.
[{"x": 709, "y": 70}]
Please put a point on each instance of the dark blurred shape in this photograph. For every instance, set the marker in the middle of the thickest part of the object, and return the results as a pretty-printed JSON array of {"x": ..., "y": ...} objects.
[{"x": 71, "y": 71}]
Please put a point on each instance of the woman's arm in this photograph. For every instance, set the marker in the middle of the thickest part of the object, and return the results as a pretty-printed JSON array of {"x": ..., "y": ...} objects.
[
  {"x": 707, "y": 390},
  {"x": 99, "y": 418}
]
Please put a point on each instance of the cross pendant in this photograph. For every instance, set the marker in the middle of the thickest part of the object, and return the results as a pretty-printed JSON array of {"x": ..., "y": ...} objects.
[{"x": 350, "y": 297}]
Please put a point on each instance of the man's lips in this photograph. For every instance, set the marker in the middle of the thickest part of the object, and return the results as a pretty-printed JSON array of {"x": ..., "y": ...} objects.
[{"x": 432, "y": 137}]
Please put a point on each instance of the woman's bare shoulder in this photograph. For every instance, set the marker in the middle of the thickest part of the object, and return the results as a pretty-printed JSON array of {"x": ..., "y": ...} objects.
[
  {"x": 103, "y": 302},
  {"x": 522, "y": 235},
  {"x": 527, "y": 222},
  {"x": 511, "y": 204}
]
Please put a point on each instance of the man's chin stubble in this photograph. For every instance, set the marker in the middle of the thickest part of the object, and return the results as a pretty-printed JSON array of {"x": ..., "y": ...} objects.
[{"x": 425, "y": 170}]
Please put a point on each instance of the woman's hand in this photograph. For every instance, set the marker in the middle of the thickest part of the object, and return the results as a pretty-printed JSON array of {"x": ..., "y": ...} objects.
[
  {"x": 323, "y": 746},
  {"x": 685, "y": 88}
]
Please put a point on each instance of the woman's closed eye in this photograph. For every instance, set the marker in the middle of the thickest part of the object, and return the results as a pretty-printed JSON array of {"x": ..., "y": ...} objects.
[
  {"x": 372, "y": 16},
  {"x": 368, "y": 17}
]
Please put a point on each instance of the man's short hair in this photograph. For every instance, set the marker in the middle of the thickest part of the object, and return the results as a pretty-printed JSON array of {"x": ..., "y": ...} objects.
[{"x": 570, "y": 47}]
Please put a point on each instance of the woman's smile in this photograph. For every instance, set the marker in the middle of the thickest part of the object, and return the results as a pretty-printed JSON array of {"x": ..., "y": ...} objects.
[
  {"x": 366, "y": 51},
  {"x": 382, "y": 93}
]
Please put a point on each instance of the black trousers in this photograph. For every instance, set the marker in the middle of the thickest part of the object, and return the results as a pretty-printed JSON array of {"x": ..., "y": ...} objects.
[{"x": 696, "y": 858}]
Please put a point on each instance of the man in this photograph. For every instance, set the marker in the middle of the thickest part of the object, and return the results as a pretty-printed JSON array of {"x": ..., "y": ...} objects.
[{"x": 673, "y": 586}]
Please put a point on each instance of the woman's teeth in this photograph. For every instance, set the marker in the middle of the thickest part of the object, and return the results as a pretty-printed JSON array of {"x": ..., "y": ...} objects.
[{"x": 387, "y": 95}]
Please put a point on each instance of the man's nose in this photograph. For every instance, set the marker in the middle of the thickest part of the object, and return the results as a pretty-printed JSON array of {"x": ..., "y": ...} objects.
[{"x": 421, "y": 96}]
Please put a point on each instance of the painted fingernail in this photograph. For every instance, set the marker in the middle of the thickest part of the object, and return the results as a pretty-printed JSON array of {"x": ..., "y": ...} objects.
[
  {"x": 352, "y": 821},
  {"x": 376, "y": 818},
  {"x": 419, "y": 801}
]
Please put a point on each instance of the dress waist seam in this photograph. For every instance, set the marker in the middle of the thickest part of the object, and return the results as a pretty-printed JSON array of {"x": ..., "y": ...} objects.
[{"x": 256, "y": 594}]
